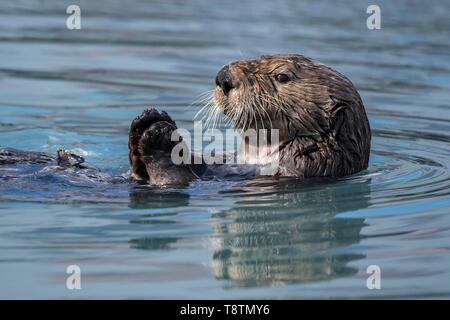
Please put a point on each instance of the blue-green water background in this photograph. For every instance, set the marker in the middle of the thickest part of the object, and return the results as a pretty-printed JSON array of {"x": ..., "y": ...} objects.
[{"x": 262, "y": 239}]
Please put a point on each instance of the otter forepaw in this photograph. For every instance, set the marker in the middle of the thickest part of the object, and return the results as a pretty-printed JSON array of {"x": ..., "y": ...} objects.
[
  {"x": 148, "y": 117},
  {"x": 155, "y": 148},
  {"x": 157, "y": 138},
  {"x": 139, "y": 125}
]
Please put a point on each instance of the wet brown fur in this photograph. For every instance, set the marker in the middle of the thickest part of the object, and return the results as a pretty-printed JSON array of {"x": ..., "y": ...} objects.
[{"x": 324, "y": 130}]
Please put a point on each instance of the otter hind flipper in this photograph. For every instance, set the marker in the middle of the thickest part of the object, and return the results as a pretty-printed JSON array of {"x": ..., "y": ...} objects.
[{"x": 68, "y": 159}]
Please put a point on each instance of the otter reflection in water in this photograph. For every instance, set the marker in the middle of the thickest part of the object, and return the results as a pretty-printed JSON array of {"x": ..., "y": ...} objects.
[
  {"x": 290, "y": 239},
  {"x": 280, "y": 232}
]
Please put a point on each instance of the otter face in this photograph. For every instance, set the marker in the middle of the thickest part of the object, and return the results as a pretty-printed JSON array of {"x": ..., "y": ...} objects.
[
  {"x": 292, "y": 93},
  {"x": 250, "y": 92}
]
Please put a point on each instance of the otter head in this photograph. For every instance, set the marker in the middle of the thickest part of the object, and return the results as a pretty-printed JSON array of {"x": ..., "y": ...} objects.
[{"x": 300, "y": 97}]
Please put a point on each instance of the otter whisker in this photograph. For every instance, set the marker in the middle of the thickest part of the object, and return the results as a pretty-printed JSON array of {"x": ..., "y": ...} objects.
[
  {"x": 201, "y": 98},
  {"x": 207, "y": 101},
  {"x": 209, "y": 113},
  {"x": 215, "y": 118},
  {"x": 263, "y": 100},
  {"x": 258, "y": 110},
  {"x": 258, "y": 107},
  {"x": 212, "y": 115},
  {"x": 204, "y": 111}
]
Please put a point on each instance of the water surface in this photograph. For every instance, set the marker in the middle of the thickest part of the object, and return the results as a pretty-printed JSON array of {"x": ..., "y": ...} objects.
[{"x": 253, "y": 239}]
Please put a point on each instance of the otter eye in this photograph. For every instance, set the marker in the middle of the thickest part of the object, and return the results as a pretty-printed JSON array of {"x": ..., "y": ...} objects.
[{"x": 282, "y": 78}]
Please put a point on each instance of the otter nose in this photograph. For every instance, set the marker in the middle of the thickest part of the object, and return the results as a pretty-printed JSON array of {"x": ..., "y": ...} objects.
[{"x": 224, "y": 80}]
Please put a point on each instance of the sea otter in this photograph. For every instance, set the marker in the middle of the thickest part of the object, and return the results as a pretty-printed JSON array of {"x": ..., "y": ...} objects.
[{"x": 323, "y": 127}]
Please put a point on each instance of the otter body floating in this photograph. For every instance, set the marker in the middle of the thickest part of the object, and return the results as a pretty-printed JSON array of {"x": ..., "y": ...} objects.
[{"x": 319, "y": 115}]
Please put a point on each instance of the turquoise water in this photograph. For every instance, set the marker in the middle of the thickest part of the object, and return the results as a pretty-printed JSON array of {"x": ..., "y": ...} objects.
[{"x": 256, "y": 239}]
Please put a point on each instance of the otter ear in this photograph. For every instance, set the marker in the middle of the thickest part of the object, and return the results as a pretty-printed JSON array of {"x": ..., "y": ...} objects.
[
  {"x": 336, "y": 105},
  {"x": 336, "y": 112}
]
